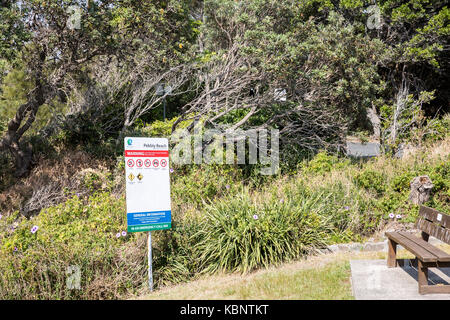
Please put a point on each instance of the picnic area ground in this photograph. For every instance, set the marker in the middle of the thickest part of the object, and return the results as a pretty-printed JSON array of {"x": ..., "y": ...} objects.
[{"x": 332, "y": 276}]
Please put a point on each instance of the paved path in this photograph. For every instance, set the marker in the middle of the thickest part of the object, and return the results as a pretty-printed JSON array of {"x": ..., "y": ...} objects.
[{"x": 373, "y": 280}]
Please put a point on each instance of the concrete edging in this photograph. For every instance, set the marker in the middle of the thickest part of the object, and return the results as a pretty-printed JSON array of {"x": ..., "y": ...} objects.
[{"x": 364, "y": 247}]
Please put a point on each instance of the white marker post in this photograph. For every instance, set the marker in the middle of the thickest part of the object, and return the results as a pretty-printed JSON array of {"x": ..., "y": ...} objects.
[{"x": 147, "y": 188}]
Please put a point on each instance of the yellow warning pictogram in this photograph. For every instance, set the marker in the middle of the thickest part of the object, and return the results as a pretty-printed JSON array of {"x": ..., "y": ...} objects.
[
  {"x": 131, "y": 177},
  {"x": 140, "y": 177}
]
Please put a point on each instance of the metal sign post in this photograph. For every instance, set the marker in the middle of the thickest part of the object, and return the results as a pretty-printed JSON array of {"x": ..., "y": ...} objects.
[{"x": 150, "y": 270}]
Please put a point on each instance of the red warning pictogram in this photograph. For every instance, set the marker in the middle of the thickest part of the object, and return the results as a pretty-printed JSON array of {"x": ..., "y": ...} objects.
[
  {"x": 155, "y": 163},
  {"x": 139, "y": 163},
  {"x": 148, "y": 163},
  {"x": 130, "y": 163},
  {"x": 163, "y": 163}
]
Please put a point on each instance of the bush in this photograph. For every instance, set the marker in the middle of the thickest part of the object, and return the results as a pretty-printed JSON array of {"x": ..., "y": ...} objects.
[
  {"x": 439, "y": 128},
  {"x": 440, "y": 176},
  {"x": 76, "y": 233},
  {"x": 198, "y": 184},
  {"x": 371, "y": 180},
  {"x": 175, "y": 259},
  {"x": 401, "y": 183},
  {"x": 238, "y": 234},
  {"x": 323, "y": 163}
]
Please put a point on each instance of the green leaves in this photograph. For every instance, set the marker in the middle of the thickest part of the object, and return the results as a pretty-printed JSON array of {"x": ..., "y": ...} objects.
[
  {"x": 371, "y": 180},
  {"x": 239, "y": 234},
  {"x": 13, "y": 33},
  {"x": 429, "y": 41},
  {"x": 77, "y": 232}
]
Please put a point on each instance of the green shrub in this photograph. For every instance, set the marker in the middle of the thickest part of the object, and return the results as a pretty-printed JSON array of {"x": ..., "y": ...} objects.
[
  {"x": 371, "y": 180},
  {"x": 157, "y": 128},
  {"x": 198, "y": 184},
  {"x": 238, "y": 234},
  {"x": 213, "y": 225},
  {"x": 34, "y": 265},
  {"x": 392, "y": 202},
  {"x": 175, "y": 259},
  {"x": 401, "y": 183},
  {"x": 91, "y": 181},
  {"x": 439, "y": 129},
  {"x": 440, "y": 176},
  {"x": 321, "y": 163}
]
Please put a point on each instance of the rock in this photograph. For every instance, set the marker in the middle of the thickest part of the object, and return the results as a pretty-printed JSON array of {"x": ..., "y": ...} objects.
[
  {"x": 333, "y": 248},
  {"x": 355, "y": 247},
  {"x": 322, "y": 251},
  {"x": 348, "y": 247},
  {"x": 420, "y": 189},
  {"x": 399, "y": 153},
  {"x": 374, "y": 246}
]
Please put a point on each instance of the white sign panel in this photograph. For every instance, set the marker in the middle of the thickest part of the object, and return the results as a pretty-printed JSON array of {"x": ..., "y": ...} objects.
[{"x": 147, "y": 184}]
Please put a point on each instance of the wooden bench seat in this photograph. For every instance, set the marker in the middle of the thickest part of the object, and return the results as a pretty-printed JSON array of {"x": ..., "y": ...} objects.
[
  {"x": 430, "y": 222},
  {"x": 419, "y": 247}
]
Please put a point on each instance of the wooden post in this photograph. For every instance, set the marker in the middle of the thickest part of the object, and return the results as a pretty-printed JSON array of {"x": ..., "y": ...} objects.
[
  {"x": 392, "y": 254},
  {"x": 422, "y": 276}
]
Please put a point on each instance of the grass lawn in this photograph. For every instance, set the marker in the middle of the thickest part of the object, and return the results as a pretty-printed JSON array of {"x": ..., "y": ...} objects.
[
  {"x": 322, "y": 277},
  {"x": 328, "y": 282}
]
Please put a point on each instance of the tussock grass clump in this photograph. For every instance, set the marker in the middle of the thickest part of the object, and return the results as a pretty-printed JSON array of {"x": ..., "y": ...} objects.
[{"x": 238, "y": 234}]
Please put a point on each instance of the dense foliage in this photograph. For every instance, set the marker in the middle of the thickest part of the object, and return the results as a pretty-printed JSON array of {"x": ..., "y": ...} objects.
[
  {"x": 337, "y": 62},
  {"x": 216, "y": 226}
]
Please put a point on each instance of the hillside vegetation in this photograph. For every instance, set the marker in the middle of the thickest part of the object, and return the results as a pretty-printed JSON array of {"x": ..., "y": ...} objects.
[{"x": 235, "y": 225}]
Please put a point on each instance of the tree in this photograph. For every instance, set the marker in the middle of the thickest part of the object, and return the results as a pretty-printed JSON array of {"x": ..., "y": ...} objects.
[
  {"x": 54, "y": 57},
  {"x": 67, "y": 39},
  {"x": 155, "y": 40},
  {"x": 249, "y": 51}
]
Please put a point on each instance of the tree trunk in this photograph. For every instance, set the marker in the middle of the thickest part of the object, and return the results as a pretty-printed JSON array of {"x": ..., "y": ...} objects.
[
  {"x": 375, "y": 121},
  {"x": 420, "y": 189},
  {"x": 26, "y": 114}
]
